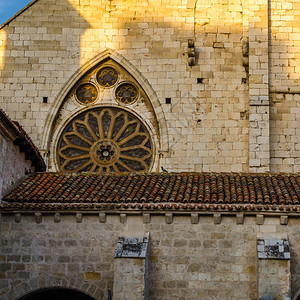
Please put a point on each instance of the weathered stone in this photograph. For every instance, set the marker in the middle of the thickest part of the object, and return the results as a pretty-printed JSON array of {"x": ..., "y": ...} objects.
[
  {"x": 185, "y": 253},
  {"x": 57, "y": 218},
  {"x": 79, "y": 218},
  {"x": 134, "y": 247},
  {"x": 18, "y": 218},
  {"x": 123, "y": 218},
  {"x": 217, "y": 218},
  {"x": 240, "y": 219},
  {"x": 15, "y": 258},
  {"x": 92, "y": 276},
  {"x": 38, "y": 218},
  {"x": 102, "y": 217},
  {"x": 284, "y": 220},
  {"x": 260, "y": 219},
  {"x": 194, "y": 218},
  {"x": 169, "y": 218},
  {"x": 131, "y": 257},
  {"x": 146, "y": 218},
  {"x": 235, "y": 110},
  {"x": 63, "y": 259}
]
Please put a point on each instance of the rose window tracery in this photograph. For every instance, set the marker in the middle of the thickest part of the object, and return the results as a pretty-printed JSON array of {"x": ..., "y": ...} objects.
[
  {"x": 105, "y": 140},
  {"x": 107, "y": 76},
  {"x": 126, "y": 93},
  {"x": 86, "y": 93}
]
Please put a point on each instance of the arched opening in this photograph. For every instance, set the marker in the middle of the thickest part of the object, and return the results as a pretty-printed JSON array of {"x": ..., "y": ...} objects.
[
  {"x": 57, "y": 294},
  {"x": 296, "y": 295}
]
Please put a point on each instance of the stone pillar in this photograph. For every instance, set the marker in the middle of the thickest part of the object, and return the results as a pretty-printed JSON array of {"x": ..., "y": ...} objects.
[
  {"x": 259, "y": 145},
  {"x": 131, "y": 269},
  {"x": 273, "y": 269}
]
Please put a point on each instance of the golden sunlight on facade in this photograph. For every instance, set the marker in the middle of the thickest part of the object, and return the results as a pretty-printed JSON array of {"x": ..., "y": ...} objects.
[
  {"x": 151, "y": 150},
  {"x": 2, "y": 48}
]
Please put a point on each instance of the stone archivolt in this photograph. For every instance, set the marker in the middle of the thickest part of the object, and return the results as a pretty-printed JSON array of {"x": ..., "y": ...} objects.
[{"x": 105, "y": 138}]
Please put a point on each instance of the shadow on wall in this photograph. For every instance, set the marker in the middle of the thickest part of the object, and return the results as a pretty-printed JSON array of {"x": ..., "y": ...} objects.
[
  {"x": 284, "y": 85},
  {"x": 39, "y": 51}
]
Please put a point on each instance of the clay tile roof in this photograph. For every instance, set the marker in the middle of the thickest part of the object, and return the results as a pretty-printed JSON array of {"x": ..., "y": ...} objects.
[
  {"x": 22, "y": 139},
  {"x": 156, "y": 191}
]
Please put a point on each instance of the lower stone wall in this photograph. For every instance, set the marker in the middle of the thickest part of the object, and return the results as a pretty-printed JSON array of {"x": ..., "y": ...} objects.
[
  {"x": 204, "y": 260},
  {"x": 13, "y": 165}
]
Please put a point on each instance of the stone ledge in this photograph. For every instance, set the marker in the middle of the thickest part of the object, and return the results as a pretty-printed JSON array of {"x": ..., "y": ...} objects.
[{"x": 147, "y": 216}]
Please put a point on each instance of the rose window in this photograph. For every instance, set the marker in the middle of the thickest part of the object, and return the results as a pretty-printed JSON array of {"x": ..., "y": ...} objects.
[
  {"x": 107, "y": 76},
  {"x": 86, "y": 93},
  {"x": 126, "y": 93},
  {"x": 105, "y": 140}
]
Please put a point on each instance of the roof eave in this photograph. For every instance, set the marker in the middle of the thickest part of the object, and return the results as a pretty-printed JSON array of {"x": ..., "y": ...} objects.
[{"x": 153, "y": 208}]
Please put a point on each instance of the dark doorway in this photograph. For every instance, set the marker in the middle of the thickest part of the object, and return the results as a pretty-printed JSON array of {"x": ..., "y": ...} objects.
[{"x": 57, "y": 294}]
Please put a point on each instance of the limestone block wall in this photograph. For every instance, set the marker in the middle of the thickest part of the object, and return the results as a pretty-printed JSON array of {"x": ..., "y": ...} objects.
[
  {"x": 284, "y": 85},
  {"x": 207, "y": 118},
  {"x": 274, "y": 278},
  {"x": 284, "y": 139},
  {"x": 13, "y": 165},
  {"x": 190, "y": 258},
  {"x": 245, "y": 50},
  {"x": 284, "y": 45},
  {"x": 259, "y": 151},
  {"x": 129, "y": 279}
]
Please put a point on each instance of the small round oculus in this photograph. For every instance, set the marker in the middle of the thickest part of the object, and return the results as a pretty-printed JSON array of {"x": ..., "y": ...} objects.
[
  {"x": 86, "y": 93},
  {"x": 126, "y": 93},
  {"x": 107, "y": 76}
]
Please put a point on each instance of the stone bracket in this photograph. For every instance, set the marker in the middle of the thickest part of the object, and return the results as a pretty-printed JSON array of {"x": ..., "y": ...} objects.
[
  {"x": 38, "y": 217},
  {"x": 194, "y": 218},
  {"x": 191, "y": 52},
  {"x": 79, "y": 218},
  {"x": 217, "y": 218},
  {"x": 169, "y": 218},
  {"x": 18, "y": 218},
  {"x": 102, "y": 217}
]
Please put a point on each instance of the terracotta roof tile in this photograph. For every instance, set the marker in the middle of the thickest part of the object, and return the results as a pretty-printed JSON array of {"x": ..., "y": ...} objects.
[{"x": 156, "y": 191}]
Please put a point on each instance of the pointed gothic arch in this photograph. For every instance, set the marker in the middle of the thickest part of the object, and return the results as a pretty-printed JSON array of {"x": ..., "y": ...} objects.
[{"x": 162, "y": 134}]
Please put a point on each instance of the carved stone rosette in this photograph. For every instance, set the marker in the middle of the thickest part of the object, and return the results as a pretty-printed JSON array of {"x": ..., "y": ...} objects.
[{"x": 105, "y": 140}]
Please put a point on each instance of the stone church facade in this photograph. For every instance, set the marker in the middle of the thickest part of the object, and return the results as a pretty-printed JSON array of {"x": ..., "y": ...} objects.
[
  {"x": 205, "y": 90},
  {"x": 226, "y": 102}
]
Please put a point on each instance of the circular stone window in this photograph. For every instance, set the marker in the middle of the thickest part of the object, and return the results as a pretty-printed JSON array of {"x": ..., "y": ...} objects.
[
  {"x": 107, "y": 76},
  {"x": 86, "y": 93},
  {"x": 126, "y": 93},
  {"x": 105, "y": 140}
]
